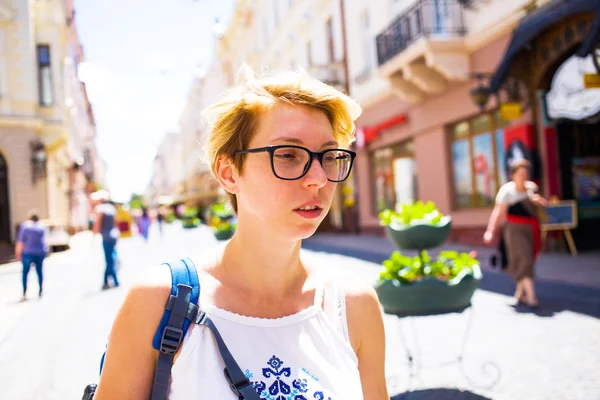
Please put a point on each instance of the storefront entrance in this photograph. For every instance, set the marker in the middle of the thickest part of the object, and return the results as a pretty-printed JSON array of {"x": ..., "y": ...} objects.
[
  {"x": 395, "y": 176},
  {"x": 553, "y": 54},
  {"x": 579, "y": 166},
  {"x": 4, "y": 203}
]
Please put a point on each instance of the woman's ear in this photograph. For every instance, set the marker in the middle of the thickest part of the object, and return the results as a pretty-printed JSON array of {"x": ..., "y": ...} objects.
[{"x": 226, "y": 173}]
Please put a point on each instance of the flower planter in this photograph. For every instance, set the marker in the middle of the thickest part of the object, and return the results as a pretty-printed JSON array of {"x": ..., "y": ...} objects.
[
  {"x": 419, "y": 236},
  {"x": 190, "y": 223},
  {"x": 223, "y": 234},
  {"x": 429, "y": 296}
]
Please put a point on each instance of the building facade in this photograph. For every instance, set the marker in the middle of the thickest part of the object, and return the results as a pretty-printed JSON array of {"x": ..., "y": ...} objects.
[
  {"x": 36, "y": 129},
  {"x": 199, "y": 188},
  {"x": 167, "y": 171},
  {"x": 84, "y": 174},
  {"x": 415, "y": 67}
]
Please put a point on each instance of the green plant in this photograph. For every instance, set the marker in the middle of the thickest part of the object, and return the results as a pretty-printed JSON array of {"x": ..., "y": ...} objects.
[
  {"x": 136, "y": 201},
  {"x": 170, "y": 217},
  {"x": 221, "y": 210},
  {"x": 408, "y": 269},
  {"x": 191, "y": 212},
  {"x": 412, "y": 214}
]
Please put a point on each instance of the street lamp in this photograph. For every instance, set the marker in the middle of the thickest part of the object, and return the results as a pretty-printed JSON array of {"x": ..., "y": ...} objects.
[
  {"x": 511, "y": 92},
  {"x": 38, "y": 160},
  {"x": 481, "y": 94}
]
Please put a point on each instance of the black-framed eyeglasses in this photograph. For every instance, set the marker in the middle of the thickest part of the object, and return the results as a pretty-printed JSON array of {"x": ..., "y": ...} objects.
[{"x": 290, "y": 162}]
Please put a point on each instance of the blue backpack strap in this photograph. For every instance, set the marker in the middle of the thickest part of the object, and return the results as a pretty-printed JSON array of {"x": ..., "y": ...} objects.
[
  {"x": 182, "y": 272},
  {"x": 180, "y": 311}
]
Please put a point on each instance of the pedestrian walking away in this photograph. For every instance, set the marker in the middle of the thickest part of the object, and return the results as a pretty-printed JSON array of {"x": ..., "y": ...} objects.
[
  {"x": 143, "y": 223},
  {"x": 278, "y": 146},
  {"x": 31, "y": 249},
  {"x": 160, "y": 219},
  {"x": 105, "y": 226},
  {"x": 517, "y": 210}
]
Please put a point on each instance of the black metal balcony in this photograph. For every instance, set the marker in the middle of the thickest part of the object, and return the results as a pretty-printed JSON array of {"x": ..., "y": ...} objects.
[{"x": 435, "y": 19}]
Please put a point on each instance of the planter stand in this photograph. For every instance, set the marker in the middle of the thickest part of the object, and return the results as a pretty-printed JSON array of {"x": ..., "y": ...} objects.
[
  {"x": 415, "y": 366},
  {"x": 432, "y": 297}
]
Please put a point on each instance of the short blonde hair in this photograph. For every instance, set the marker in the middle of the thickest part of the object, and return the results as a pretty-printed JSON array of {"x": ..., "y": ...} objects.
[{"x": 233, "y": 120}]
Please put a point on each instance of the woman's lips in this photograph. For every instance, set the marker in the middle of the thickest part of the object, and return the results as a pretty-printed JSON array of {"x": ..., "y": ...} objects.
[{"x": 309, "y": 214}]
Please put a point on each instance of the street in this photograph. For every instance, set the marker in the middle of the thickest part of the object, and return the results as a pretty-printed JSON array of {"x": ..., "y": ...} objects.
[{"x": 50, "y": 348}]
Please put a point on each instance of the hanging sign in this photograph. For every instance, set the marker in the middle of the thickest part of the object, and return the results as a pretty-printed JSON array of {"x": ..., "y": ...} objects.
[
  {"x": 511, "y": 111},
  {"x": 591, "y": 81},
  {"x": 575, "y": 92}
]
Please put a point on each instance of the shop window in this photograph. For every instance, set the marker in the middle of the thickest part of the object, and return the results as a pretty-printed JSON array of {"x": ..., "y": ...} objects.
[
  {"x": 367, "y": 41},
  {"x": 477, "y": 147},
  {"x": 394, "y": 176}
]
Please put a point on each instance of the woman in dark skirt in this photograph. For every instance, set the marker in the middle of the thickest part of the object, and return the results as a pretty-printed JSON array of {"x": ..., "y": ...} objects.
[{"x": 516, "y": 204}]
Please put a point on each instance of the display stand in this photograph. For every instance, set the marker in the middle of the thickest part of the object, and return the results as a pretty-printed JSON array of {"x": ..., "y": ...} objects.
[
  {"x": 414, "y": 359},
  {"x": 431, "y": 296},
  {"x": 560, "y": 216}
]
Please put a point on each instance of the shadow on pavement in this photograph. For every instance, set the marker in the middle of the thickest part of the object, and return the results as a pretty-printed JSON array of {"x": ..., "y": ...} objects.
[
  {"x": 554, "y": 296},
  {"x": 439, "y": 394}
]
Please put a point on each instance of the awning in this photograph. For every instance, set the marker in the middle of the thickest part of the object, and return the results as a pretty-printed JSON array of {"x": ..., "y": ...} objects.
[
  {"x": 366, "y": 134},
  {"x": 535, "y": 23}
]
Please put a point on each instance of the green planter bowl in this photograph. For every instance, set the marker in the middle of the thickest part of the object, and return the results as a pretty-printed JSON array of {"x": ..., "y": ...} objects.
[
  {"x": 190, "y": 223},
  {"x": 419, "y": 236},
  {"x": 224, "y": 234},
  {"x": 429, "y": 296}
]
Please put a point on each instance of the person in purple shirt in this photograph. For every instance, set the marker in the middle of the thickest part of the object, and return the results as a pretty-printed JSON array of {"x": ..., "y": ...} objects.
[{"x": 32, "y": 249}]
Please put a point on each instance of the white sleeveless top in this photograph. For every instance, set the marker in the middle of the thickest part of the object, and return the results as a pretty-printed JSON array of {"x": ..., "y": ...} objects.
[{"x": 298, "y": 357}]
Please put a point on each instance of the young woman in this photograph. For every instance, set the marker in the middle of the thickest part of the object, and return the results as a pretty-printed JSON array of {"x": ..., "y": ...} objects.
[
  {"x": 516, "y": 202},
  {"x": 277, "y": 146}
]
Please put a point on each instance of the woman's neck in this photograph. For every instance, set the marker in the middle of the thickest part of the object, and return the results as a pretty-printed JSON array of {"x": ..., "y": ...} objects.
[
  {"x": 258, "y": 261},
  {"x": 520, "y": 186}
]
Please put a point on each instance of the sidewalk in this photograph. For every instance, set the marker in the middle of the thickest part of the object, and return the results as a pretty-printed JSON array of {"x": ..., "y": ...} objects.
[{"x": 582, "y": 270}]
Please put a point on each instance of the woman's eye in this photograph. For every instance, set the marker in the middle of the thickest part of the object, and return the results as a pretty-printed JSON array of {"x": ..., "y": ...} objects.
[{"x": 286, "y": 156}]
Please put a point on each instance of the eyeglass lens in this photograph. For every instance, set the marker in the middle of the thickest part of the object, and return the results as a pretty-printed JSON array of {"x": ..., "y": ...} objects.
[{"x": 291, "y": 163}]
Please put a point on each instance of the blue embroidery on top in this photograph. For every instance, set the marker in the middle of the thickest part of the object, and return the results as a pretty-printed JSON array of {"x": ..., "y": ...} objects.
[
  {"x": 307, "y": 372},
  {"x": 278, "y": 388}
]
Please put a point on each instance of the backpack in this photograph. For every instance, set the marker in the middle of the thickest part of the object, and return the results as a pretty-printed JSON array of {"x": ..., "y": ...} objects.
[{"x": 181, "y": 311}]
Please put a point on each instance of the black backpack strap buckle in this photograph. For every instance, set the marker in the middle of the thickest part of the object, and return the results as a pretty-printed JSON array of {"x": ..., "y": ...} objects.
[
  {"x": 171, "y": 339},
  {"x": 239, "y": 388}
]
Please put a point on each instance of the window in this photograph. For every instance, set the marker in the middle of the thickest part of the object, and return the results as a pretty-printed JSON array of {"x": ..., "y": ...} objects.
[
  {"x": 394, "y": 176},
  {"x": 330, "y": 41},
  {"x": 366, "y": 31},
  {"x": 46, "y": 94},
  {"x": 477, "y": 149}
]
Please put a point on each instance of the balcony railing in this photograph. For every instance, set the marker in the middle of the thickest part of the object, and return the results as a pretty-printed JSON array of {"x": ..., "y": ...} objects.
[{"x": 435, "y": 19}]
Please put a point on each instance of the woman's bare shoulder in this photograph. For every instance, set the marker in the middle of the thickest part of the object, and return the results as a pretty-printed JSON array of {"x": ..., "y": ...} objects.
[
  {"x": 363, "y": 311},
  {"x": 360, "y": 295}
]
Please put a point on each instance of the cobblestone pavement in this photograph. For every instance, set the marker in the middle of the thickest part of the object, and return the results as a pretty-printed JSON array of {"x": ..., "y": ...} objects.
[{"x": 50, "y": 347}]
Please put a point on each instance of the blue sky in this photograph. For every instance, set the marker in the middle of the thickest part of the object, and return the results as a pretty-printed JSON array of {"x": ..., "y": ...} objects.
[{"x": 141, "y": 57}]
